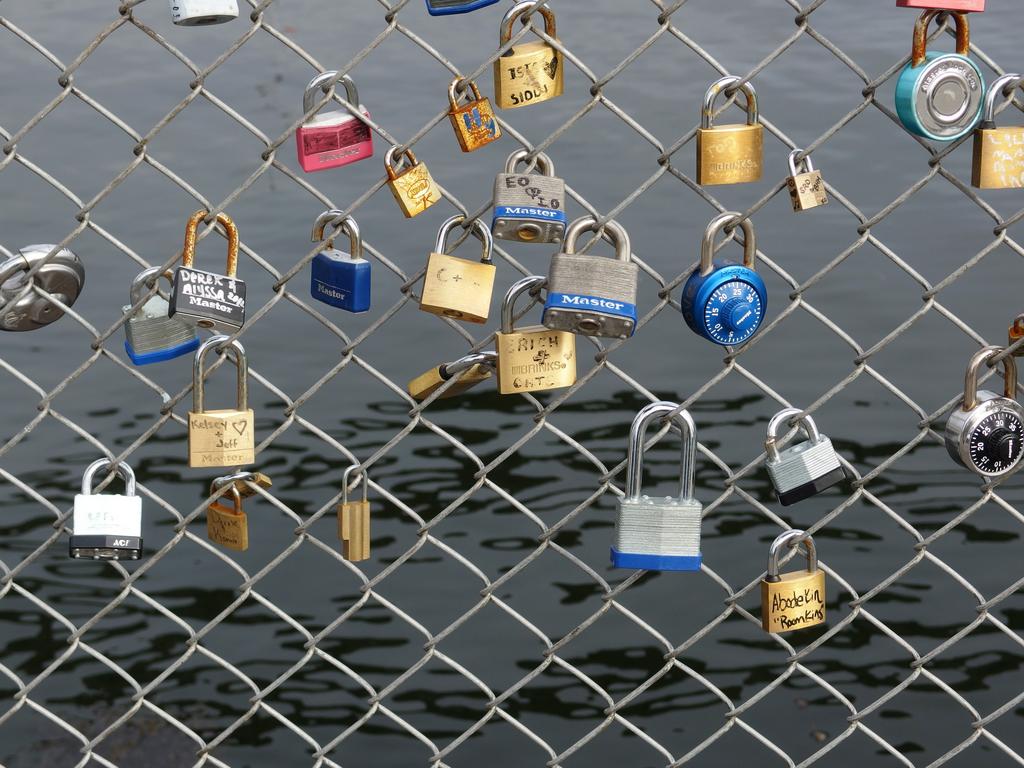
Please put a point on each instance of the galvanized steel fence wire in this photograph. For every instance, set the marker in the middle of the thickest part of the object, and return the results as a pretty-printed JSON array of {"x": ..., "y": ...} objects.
[{"x": 661, "y": 18}]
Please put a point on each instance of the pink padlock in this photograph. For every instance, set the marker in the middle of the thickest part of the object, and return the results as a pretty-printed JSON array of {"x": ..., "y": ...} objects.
[
  {"x": 335, "y": 138},
  {"x": 977, "y": 6}
]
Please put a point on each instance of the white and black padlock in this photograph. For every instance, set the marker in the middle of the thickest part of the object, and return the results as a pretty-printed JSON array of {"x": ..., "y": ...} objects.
[
  {"x": 107, "y": 526},
  {"x": 659, "y": 534},
  {"x": 529, "y": 207},
  {"x": 804, "y": 469},
  {"x": 150, "y": 335},
  {"x": 196, "y": 13}
]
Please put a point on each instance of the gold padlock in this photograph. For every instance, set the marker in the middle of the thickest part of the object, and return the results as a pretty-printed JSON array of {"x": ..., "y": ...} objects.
[
  {"x": 806, "y": 187},
  {"x": 413, "y": 186},
  {"x": 468, "y": 372},
  {"x": 223, "y": 438},
  {"x": 354, "y": 521},
  {"x": 729, "y": 154},
  {"x": 1016, "y": 334},
  {"x": 474, "y": 123},
  {"x": 458, "y": 288},
  {"x": 527, "y": 73},
  {"x": 998, "y": 152},
  {"x": 532, "y": 359},
  {"x": 227, "y": 526},
  {"x": 793, "y": 600}
]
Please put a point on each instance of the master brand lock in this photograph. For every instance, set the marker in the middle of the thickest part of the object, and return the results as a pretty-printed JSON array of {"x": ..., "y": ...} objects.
[
  {"x": 722, "y": 301},
  {"x": 659, "y": 534},
  {"x": 527, "y": 73},
  {"x": 338, "y": 278},
  {"x": 195, "y": 13},
  {"x": 471, "y": 370},
  {"x": 532, "y": 359},
  {"x": 61, "y": 276},
  {"x": 208, "y": 299},
  {"x": 806, "y": 187},
  {"x": 802, "y": 470},
  {"x": 592, "y": 295},
  {"x": 940, "y": 96},
  {"x": 1016, "y": 334},
  {"x": 412, "y": 185},
  {"x": 223, "y": 438},
  {"x": 457, "y": 288},
  {"x": 530, "y": 207},
  {"x": 474, "y": 123},
  {"x": 976, "y": 6},
  {"x": 336, "y": 138},
  {"x": 986, "y": 433},
  {"x": 793, "y": 600},
  {"x": 107, "y": 526},
  {"x": 354, "y": 521},
  {"x": 150, "y": 335},
  {"x": 729, "y": 154},
  {"x": 998, "y": 152},
  {"x": 448, "y": 7}
]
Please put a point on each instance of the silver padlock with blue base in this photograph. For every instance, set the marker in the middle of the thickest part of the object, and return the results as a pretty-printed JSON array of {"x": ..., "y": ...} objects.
[
  {"x": 150, "y": 335},
  {"x": 340, "y": 279},
  {"x": 659, "y": 534},
  {"x": 804, "y": 469}
]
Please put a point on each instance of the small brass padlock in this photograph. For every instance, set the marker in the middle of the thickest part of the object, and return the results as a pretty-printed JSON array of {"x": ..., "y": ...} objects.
[
  {"x": 1016, "y": 334},
  {"x": 413, "y": 186},
  {"x": 474, "y": 123},
  {"x": 793, "y": 600},
  {"x": 224, "y": 438},
  {"x": 458, "y": 288},
  {"x": 227, "y": 526},
  {"x": 208, "y": 299},
  {"x": 998, "y": 152},
  {"x": 729, "y": 154},
  {"x": 806, "y": 187},
  {"x": 527, "y": 73},
  {"x": 354, "y": 521},
  {"x": 471, "y": 370}
]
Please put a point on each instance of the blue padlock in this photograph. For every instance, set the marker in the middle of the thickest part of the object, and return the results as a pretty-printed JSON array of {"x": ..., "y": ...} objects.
[
  {"x": 940, "y": 96},
  {"x": 340, "y": 279},
  {"x": 448, "y": 7},
  {"x": 722, "y": 301}
]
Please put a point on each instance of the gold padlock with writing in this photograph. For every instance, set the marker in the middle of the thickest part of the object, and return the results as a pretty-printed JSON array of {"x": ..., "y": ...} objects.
[
  {"x": 468, "y": 371},
  {"x": 474, "y": 123},
  {"x": 227, "y": 526},
  {"x": 223, "y": 438},
  {"x": 412, "y": 185},
  {"x": 458, "y": 288},
  {"x": 793, "y": 600},
  {"x": 729, "y": 154},
  {"x": 354, "y": 521},
  {"x": 998, "y": 152},
  {"x": 527, "y": 73},
  {"x": 1016, "y": 334},
  {"x": 806, "y": 187},
  {"x": 532, "y": 359}
]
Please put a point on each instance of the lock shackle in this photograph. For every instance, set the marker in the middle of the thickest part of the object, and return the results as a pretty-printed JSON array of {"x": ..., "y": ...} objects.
[
  {"x": 363, "y": 475},
  {"x": 635, "y": 453},
  {"x": 487, "y": 359},
  {"x": 779, "y": 422},
  {"x": 234, "y": 349},
  {"x": 787, "y": 539},
  {"x": 478, "y": 228},
  {"x": 995, "y": 91},
  {"x": 544, "y": 164},
  {"x": 406, "y": 158},
  {"x": 518, "y": 10},
  {"x": 613, "y": 232},
  {"x": 323, "y": 82},
  {"x": 531, "y": 284},
  {"x": 347, "y": 225},
  {"x": 234, "y": 479},
  {"x": 707, "y": 113},
  {"x": 806, "y": 164},
  {"x": 981, "y": 357},
  {"x": 963, "y": 34},
  {"x": 453, "y": 97},
  {"x": 188, "y": 253},
  {"x": 139, "y": 284},
  {"x": 121, "y": 469},
  {"x": 236, "y": 496},
  {"x": 707, "y": 248}
]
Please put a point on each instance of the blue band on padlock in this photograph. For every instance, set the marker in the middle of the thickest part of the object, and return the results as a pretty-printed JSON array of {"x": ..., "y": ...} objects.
[
  {"x": 529, "y": 213},
  {"x": 161, "y": 355},
  {"x": 655, "y": 562},
  {"x": 608, "y": 307},
  {"x": 460, "y": 8}
]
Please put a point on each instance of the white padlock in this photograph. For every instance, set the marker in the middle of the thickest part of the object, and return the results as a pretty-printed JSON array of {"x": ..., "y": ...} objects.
[
  {"x": 107, "y": 526},
  {"x": 195, "y": 13}
]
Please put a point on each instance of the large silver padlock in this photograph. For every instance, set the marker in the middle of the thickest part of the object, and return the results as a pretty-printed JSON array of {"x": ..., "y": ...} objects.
[
  {"x": 195, "y": 13},
  {"x": 529, "y": 207},
  {"x": 659, "y": 534},
  {"x": 150, "y": 335},
  {"x": 62, "y": 276},
  {"x": 804, "y": 469},
  {"x": 592, "y": 295},
  {"x": 107, "y": 526}
]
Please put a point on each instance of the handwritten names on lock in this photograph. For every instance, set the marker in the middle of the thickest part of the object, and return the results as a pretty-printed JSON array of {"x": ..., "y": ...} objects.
[
  {"x": 1003, "y": 153},
  {"x": 795, "y": 602},
  {"x": 227, "y": 527},
  {"x": 209, "y": 296},
  {"x": 529, "y": 73},
  {"x": 220, "y": 439}
]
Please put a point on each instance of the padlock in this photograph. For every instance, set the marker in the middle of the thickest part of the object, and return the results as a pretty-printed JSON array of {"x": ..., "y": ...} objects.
[
  {"x": 196, "y": 13},
  {"x": 150, "y": 335},
  {"x": 986, "y": 432},
  {"x": 940, "y": 96},
  {"x": 354, "y": 521},
  {"x": 529, "y": 207},
  {"x": 474, "y": 123},
  {"x": 794, "y": 600},
  {"x": 805, "y": 469},
  {"x": 62, "y": 276},
  {"x": 998, "y": 152},
  {"x": 729, "y": 154},
  {"x": 532, "y": 359},
  {"x": 458, "y": 288},
  {"x": 1016, "y": 334},
  {"x": 661, "y": 534},
  {"x": 527, "y": 73},
  {"x": 722, "y": 301},
  {"x": 974, "y": 6},
  {"x": 806, "y": 187},
  {"x": 592, "y": 295},
  {"x": 448, "y": 7},
  {"x": 107, "y": 526},
  {"x": 224, "y": 438},
  {"x": 227, "y": 526},
  {"x": 412, "y": 186},
  {"x": 338, "y": 278},
  {"x": 471, "y": 370},
  {"x": 208, "y": 299},
  {"x": 336, "y": 138}
]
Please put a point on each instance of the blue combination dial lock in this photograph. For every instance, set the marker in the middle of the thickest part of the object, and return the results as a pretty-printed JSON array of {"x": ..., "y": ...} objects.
[{"x": 722, "y": 301}]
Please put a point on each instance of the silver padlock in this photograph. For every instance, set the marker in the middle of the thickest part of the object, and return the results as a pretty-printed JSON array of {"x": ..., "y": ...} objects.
[
  {"x": 150, "y": 335},
  {"x": 195, "y": 13},
  {"x": 22, "y": 308},
  {"x": 107, "y": 526},
  {"x": 592, "y": 295},
  {"x": 529, "y": 207},
  {"x": 805, "y": 469},
  {"x": 659, "y": 534}
]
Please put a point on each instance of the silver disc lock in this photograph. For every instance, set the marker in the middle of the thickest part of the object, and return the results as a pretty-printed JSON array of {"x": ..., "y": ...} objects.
[
  {"x": 22, "y": 308},
  {"x": 107, "y": 526},
  {"x": 804, "y": 469}
]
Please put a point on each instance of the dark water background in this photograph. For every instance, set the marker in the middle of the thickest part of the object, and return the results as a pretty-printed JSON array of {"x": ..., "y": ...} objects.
[{"x": 804, "y": 92}]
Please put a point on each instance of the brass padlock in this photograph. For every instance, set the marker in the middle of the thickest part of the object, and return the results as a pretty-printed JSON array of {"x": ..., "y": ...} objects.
[
  {"x": 474, "y": 123},
  {"x": 227, "y": 526},
  {"x": 729, "y": 154},
  {"x": 1016, "y": 334},
  {"x": 793, "y": 600},
  {"x": 527, "y": 73},
  {"x": 354, "y": 521},
  {"x": 471, "y": 370},
  {"x": 413, "y": 186},
  {"x": 458, "y": 288},
  {"x": 806, "y": 187},
  {"x": 532, "y": 359},
  {"x": 223, "y": 438},
  {"x": 998, "y": 152}
]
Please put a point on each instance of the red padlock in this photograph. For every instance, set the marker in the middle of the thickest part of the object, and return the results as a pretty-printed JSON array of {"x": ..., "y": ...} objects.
[
  {"x": 335, "y": 138},
  {"x": 977, "y": 6}
]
